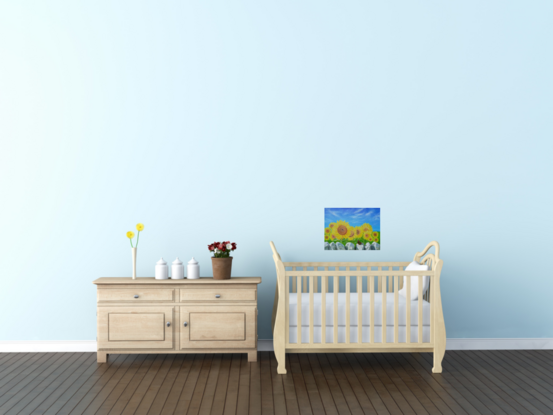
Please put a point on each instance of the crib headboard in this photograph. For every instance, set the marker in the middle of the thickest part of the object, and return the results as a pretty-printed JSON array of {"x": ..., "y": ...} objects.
[{"x": 430, "y": 259}]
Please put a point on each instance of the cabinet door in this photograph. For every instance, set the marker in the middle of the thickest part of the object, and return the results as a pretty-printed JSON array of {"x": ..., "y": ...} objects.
[
  {"x": 218, "y": 327},
  {"x": 135, "y": 327}
]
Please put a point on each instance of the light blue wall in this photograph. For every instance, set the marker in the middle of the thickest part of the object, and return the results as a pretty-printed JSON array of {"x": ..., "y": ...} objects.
[{"x": 242, "y": 120}]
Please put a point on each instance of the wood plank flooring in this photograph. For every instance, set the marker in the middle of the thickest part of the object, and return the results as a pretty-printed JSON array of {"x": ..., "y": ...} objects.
[{"x": 473, "y": 382}]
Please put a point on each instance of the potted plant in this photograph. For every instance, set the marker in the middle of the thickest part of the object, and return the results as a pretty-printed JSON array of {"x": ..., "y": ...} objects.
[{"x": 221, "y": 260}]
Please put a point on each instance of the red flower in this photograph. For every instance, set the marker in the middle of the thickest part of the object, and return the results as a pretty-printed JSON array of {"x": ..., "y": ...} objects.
[
  {"x": 210, "y": 247},
  {"x": 233, "y": 246},
  {"x": 221, "y": 247}
]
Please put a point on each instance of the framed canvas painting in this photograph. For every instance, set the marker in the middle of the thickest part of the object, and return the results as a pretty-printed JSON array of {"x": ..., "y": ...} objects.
[{"x": 352, "y": 229}]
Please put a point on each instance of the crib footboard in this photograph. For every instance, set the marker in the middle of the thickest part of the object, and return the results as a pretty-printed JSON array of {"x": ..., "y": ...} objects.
[{"x": 357, "y": 307}]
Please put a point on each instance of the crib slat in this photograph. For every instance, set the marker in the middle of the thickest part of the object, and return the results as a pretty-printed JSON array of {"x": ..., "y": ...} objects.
[
  {"x": 379, "y": 281},
  {"x": 408, "y": 298},
  {"x": 420, "y": 300},
  {"x": 371, "y": 288},
  {"x": 359, "y": 309},
  {"x": 401, "y": 279},
  {"x": 431, "y": 311},
  {"x": 287, "y": 309},
  {"x": 305, "y": 281},
  {"x": 429, "y": 290},
  {"x": 336, "y": 288},
  {"x": 384, "y": 295},
  {"x": 298, "y": 301},
  {"x": 347, "y": 309},
  {"x": 324, "y": 285},
  {"x": 396, "y": 309},
  {"x": 294, "y": 282},
  {"x": 311, "y": 307}
]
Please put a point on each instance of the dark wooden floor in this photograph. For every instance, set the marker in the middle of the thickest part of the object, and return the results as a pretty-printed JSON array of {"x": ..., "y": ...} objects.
[{"x": 473, "y": 382}]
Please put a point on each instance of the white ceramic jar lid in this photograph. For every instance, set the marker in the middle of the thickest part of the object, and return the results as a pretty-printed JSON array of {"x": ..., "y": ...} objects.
[
  {"x": 177, "y": 261},
  {"x": 192, "y": 261},
  {"x": 161, "y": 262}
]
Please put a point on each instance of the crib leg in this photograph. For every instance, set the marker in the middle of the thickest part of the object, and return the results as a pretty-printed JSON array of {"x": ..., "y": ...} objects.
[
  {"x": 280, "y": 352},
  {"x": 439, "y": 348},
  {"x": 281, "y": 360},
  {"x": 438, "y": 357}
]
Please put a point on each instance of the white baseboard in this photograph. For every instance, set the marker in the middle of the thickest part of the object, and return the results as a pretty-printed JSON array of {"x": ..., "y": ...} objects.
[
  {"x": 267, "y": 345},
  {"x": 499, "y": 344},
  {"x": 469, "y": 344},
  {"x": 48, "y": 346}
]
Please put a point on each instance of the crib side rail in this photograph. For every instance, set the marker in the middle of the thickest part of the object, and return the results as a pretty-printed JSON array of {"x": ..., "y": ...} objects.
[{"x": 384, "y": 283}]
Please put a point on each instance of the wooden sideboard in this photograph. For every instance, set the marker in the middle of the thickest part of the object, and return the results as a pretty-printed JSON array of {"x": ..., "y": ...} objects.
[{"x": 177, "y": 316}]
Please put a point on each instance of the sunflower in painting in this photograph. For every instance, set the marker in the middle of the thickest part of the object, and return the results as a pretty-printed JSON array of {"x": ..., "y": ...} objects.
[
  {"x": 368, "y": 236},
  {"x": 342, "y": 230},
  {"x": 357, "y": 232},
  {"x": 366, "y": 228}
]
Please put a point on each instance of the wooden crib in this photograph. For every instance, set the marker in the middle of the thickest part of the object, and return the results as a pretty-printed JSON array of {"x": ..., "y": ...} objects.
[{"x": 359, "y": 281}]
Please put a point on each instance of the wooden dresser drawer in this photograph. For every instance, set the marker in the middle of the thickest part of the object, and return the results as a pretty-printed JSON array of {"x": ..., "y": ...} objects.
[
  {"x": 136, "y": 295},
  {"x": 216, "y": 327},
  {"x": 126, "y": 327},
  {"x": 218, "y": 294}
]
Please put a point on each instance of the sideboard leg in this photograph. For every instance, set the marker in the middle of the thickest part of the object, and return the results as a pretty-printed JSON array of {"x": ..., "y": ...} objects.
[
  {"x": 102, "y": 357},
  {"x": 252, "y": 356}
]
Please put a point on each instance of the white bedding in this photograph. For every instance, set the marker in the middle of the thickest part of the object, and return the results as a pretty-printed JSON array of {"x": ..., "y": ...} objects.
[
  {"x": 365, "y": 336},
  {"x": 317, "y": 310}
]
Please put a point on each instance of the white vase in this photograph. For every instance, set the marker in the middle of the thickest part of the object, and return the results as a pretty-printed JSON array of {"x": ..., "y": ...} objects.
[
  {"x": 177, "y": 270},
  {"x": 162, "y": 272},
  {"x": 193, "y": 269},
  {"x": 133, "y": 263}
]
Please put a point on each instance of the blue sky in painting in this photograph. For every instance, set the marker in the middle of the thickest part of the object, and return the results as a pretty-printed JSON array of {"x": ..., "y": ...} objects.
[{"x": 354, "y": 216}]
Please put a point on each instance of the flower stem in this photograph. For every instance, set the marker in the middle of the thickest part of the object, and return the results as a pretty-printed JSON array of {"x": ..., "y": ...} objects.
[
  {"x": 130, "y": 240},
  {"x": 137, "y": 238}
]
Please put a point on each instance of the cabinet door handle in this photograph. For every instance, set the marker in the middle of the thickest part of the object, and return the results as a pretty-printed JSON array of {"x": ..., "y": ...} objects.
[
  {"x": 185, "y": 324},
  {"x": 217, "y": 295},
  {"x": 136, "y": 296},
  {"x": 168, "y": 324}
]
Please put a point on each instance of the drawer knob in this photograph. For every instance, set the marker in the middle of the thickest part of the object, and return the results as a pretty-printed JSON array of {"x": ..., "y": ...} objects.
[
  {"x": 217, "y": 295},
  {"x": 168, "y": 324},
  {"x": 185, "y": 324},
  {"x": 136, "y": 296}
]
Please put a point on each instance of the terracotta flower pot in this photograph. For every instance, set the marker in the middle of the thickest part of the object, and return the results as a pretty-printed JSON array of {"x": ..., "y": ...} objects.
[{"x": 221, "y": 268}]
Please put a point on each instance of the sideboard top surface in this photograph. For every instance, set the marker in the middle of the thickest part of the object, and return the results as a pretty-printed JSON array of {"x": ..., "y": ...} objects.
[{"x": 152, "y": 280}]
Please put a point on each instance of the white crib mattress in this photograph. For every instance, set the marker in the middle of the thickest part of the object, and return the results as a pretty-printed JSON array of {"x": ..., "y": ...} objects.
[
  {"x": 365, "y": 312},
  {"x": 365, "y": 334}
]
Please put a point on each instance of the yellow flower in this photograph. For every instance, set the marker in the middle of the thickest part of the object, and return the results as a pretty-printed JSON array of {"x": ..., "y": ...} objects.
[
  {"x": 375, "y": 236},
  {"x": 130, "y": 234},
  {"x": 368, "y": 236},
  {"x": 358, "y": 232},
  {"x": 366, "y": 228},
  {"x": 342, "y": 230},
  {"x": 327, "y": 231},
  {"x": 139, "y": 227},
  {"x": 332, "y": 226}
]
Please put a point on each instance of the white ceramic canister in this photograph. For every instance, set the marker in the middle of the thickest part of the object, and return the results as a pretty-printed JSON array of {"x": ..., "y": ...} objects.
[
  {"x": 162, "y": 271},
  {"x": 193, "y": 270},
  {"x": 177, "y": 270}
]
